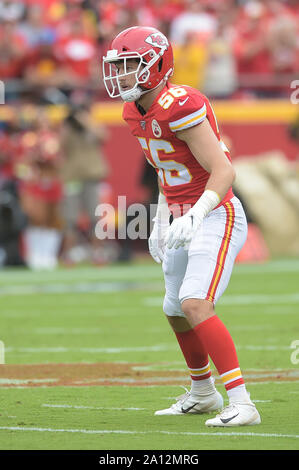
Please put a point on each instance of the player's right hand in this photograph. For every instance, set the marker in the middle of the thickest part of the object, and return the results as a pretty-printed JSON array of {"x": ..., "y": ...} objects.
[
  {"x": 182, "y": 230},
  {"x": 156, "y": 241}
]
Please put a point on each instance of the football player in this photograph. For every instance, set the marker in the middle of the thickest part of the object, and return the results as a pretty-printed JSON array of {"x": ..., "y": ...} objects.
[{"x": 178, "y": 132}]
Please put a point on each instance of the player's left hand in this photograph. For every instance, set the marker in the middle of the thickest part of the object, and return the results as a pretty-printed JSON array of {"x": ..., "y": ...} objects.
[{"x": 182, "y": 229}]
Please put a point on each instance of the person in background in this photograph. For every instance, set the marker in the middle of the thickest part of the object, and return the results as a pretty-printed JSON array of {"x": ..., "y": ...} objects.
[
  {"x": 13, "y": 49},
  {"x": 83, "y": 169},
  {"x": 12, "y": 218},
  {"x": 40, "y": 193},
  {"x": 220, "y": 78},
  {"x": 191, "y": 59},
  {"x": 77, "y": 48}
]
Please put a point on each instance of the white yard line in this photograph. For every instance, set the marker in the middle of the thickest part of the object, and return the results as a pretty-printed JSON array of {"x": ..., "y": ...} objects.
[
  {"x": 148, "y": 385},
  {"x": 79, "y": 288},
  {"x": 4, "y": 381},
  {"x": 172, "y": 433},
  {"x": 117, "y": 350},
  {"x": 131, "y": 272},
  {"x": 79, "y": 407},
  {"x": 111, "y": 350},
  {"x": 153, "y": 301},
  {"x": 53, "y": 330},
  {"x": 89, "y": 274},
  {"x": 63, "y": 330},
  {"x": 139, "y": 382}
]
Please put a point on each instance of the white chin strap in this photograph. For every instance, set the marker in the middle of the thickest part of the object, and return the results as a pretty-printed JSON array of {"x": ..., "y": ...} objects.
[
  {"x": 131, "y": 95},
  {"x": 136, "y": 92}
]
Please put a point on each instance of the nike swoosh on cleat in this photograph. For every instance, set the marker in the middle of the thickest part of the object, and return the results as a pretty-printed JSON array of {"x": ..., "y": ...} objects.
[
  {"x": 188, "y": 409},
  {"x": 227, "y": 420}
]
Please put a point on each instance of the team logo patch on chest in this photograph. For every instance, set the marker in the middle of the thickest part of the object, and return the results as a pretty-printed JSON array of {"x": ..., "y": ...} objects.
[{"x": 156, "y": 128}]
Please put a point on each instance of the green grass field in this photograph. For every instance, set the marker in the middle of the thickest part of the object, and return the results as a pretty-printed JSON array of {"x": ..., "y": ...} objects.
[{"x": 113, "y": 315}]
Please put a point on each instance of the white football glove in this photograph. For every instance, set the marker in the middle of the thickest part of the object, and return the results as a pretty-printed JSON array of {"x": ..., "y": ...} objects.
[
  {"x": 183, "y": 228},
  {"x": 156, "y": 241}
]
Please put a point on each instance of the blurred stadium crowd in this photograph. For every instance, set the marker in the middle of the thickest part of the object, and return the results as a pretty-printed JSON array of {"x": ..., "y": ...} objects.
[
  {"x": 251, "y": 44},
  {"x": 50, "y": 53}
]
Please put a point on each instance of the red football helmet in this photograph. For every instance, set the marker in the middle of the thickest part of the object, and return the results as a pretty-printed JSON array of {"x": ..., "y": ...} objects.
[{"x": 154, "y": 61}]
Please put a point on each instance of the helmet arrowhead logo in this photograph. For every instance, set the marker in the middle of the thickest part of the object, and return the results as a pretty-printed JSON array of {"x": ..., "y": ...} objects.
[{"x": 157, "y": 40}]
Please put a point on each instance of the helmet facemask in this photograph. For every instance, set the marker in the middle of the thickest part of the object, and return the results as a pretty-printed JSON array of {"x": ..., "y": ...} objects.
[{"x": 112, "y": 77}]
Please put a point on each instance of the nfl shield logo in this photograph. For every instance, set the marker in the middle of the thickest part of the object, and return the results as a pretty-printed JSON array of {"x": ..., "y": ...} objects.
[{"x": 142, "y": 124}]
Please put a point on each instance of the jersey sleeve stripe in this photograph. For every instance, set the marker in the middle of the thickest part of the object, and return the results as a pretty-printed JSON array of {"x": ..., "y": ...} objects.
[{"x": 190, "y": 120}]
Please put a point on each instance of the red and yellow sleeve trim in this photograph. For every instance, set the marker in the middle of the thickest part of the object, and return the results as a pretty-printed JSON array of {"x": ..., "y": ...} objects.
[{"x": 189, "y": 120}]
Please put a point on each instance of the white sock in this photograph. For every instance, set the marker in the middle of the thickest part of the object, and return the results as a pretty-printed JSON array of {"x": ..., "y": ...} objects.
[
  {"x": 42, "y": 247},
  {"x": 32, "y": 246},
  {"x": 202, "y": 387},
  {"x": 49, "y": 243},
  {"x": 52, "y": 239},
  {"x": 238, "y": 394}
]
